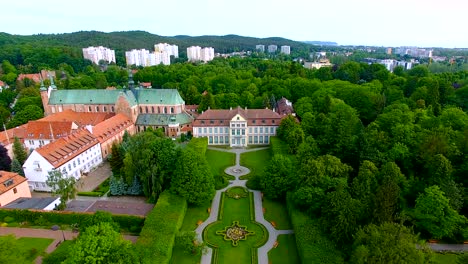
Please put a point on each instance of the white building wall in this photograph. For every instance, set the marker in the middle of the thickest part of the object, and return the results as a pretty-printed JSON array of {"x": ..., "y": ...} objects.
[
  {"x": 194, "y": 53},
  {"x": 252, "y": 135},
  {"x": 36, "y": 167},
  {"x": 95, "y": 54},
  {"x": 35, "y": 143},
  {"x": 286, "y": 50}
]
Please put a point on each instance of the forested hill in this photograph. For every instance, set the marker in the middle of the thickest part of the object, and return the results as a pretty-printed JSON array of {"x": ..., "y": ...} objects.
[
  {"x": 126, "y": 40},
  {"x": 50, "y": 50}
]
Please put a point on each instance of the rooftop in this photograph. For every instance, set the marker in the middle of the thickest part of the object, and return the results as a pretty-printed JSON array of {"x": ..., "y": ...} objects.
[
  {"x": 48, "y": 129},
  {"x": 10, "y": 134},
  {"x": 111, "y": 126},
  {"x": 109, "y": 97},
  {"x": 226, "y": 115},
  {"x": 81, "y": 119},
  {"x": 163, "y": 119},
  {"x": 9, "y": 180},
  {"x": 31, "y": 203},
  {"x": 64, "y": 149}
]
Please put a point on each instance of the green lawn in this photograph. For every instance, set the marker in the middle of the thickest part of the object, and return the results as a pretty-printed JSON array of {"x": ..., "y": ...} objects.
[
  {"x": 276, "y": 212},
  {"x": 195, "y": 214},
  {"x": 235, "y": 210},
  {"x": 255, "y": 161},
  {"x": 59, "y": 254},
  {"x": 448, "y": 258},
  {"x": 34, "y": 246},
  {"x": 219, "y": 161},
  {"x": 181, "y": 257},
  {"x": 285, "y": 252}
]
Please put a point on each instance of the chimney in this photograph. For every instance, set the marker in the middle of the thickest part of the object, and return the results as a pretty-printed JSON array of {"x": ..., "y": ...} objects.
[
  {"x": 230, "y": 108},
  {"x": 209, "y": 107},
  {"x": 246, "y": 108}
]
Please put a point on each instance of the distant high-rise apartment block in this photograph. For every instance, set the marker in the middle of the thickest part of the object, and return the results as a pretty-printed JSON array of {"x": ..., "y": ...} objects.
[
  {"x": 389, "y": 51},
  {"x": 415, "y": 52},
  {"x": 146, "y": 58},
  {"x": 286, "y": 50},
  {"x": 171, "y": 50},
  {"x": 196, "y": 53},
  {"x": 95, "y": 54},
  {"x": 272, "y": 48},
  {"x": 260, "y": 48}
]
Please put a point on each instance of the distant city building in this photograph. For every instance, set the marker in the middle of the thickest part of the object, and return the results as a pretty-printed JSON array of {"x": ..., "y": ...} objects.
[
  {"x": 196, "y": 53},
  {"x": 415, "y": 52},
  {"x": 286, "y": 50},
  {"x": 391, "y": 64},
  {"x": 95, "y": 54},
  {"x": 171, "y": 50},
  {"x": 389, "y": 51},
  {"x": 318, "y": 64},
  {"x": 260, "y": 48},
  {"x": 272, "y": 48},
  {"x": 146, "y": 58},
  {"x": 207, "y": 54}
]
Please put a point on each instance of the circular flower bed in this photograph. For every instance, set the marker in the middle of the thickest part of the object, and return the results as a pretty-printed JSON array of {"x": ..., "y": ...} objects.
[{"x": 235, "y": 233}]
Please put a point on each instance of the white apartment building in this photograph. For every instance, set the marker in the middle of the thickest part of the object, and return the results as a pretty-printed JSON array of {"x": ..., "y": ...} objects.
[
  {"x": 72, "y": 155},
  {"x": 207, "y": 54},
  {"x": 171, "y": 50},
  {"x": 260, "y": 48},
  {"x": 196, "y": 53},
  {"x": 95, "y": 54},
  {"x": 146, "y": 58},
  {"x": 286, "y": 50},
  {"x": 272, "y": 48},
  {"x": 237, "y": 127}
]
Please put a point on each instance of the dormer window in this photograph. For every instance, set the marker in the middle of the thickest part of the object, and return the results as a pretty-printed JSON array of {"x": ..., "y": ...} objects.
[
  {"x": 254, "y": 121},
  {"x": 263, "y": 121},
  {"x": 211, "y": 121},
  {"x": 203, "y": 121},
  {"x": 238, "y": 118}
]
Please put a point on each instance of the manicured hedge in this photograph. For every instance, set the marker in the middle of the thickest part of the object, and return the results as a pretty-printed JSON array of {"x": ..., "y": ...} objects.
[
  {"x": 41, "y": 218},
  {"x": 199, "y": 145},
  {"x": 312, "y": 245},
  {"x": 278, "y": 146},
  {"x": 161, "y": 226}
]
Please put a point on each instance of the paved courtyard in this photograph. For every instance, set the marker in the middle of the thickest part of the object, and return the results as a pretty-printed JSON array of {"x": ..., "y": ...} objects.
[
  {"x": 94, "y": 178},
  {"x": 112, "y": 206}
]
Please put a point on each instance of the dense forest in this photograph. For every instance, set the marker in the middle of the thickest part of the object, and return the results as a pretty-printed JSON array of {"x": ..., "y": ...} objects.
[{"x": 373, "y": 152}]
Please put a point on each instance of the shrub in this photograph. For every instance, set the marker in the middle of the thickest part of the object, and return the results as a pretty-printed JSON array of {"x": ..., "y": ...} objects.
[
  {"x": 199, "y": 145},
  {"x": 8, "y": 219},
  {"x": 312, "y": 245},
  {"x": 66, "y": 218},
  {"x": 93, "y": 194},
  {"x": 161, "y": 226}
]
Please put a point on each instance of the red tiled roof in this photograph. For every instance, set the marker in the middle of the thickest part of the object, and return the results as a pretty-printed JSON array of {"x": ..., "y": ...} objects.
[
  {"x": 2, "y": 83},
  {"x": 18, "y": 132},
  {"x": 253, "y": 117},
  {"x": 284, "y": 107},
  {"x": 111, "y": 126},
  {"x": 36, "y": 77},
  {"x": 81, "y": 119},
  {"x": 64, "y": 149},
  {"x": 44, "y": 129},
  {"x": 9, "y": 180}
]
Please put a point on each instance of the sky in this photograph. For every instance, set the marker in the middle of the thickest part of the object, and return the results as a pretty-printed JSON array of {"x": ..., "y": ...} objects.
[{"x": 422, "y": 23}]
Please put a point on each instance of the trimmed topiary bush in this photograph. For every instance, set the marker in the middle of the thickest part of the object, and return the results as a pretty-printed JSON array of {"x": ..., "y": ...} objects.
[{"x": 161, "y": 226}]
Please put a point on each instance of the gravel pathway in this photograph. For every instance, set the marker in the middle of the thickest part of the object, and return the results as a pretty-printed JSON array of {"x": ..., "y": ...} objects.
[{"x": 238, "y": 171}]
